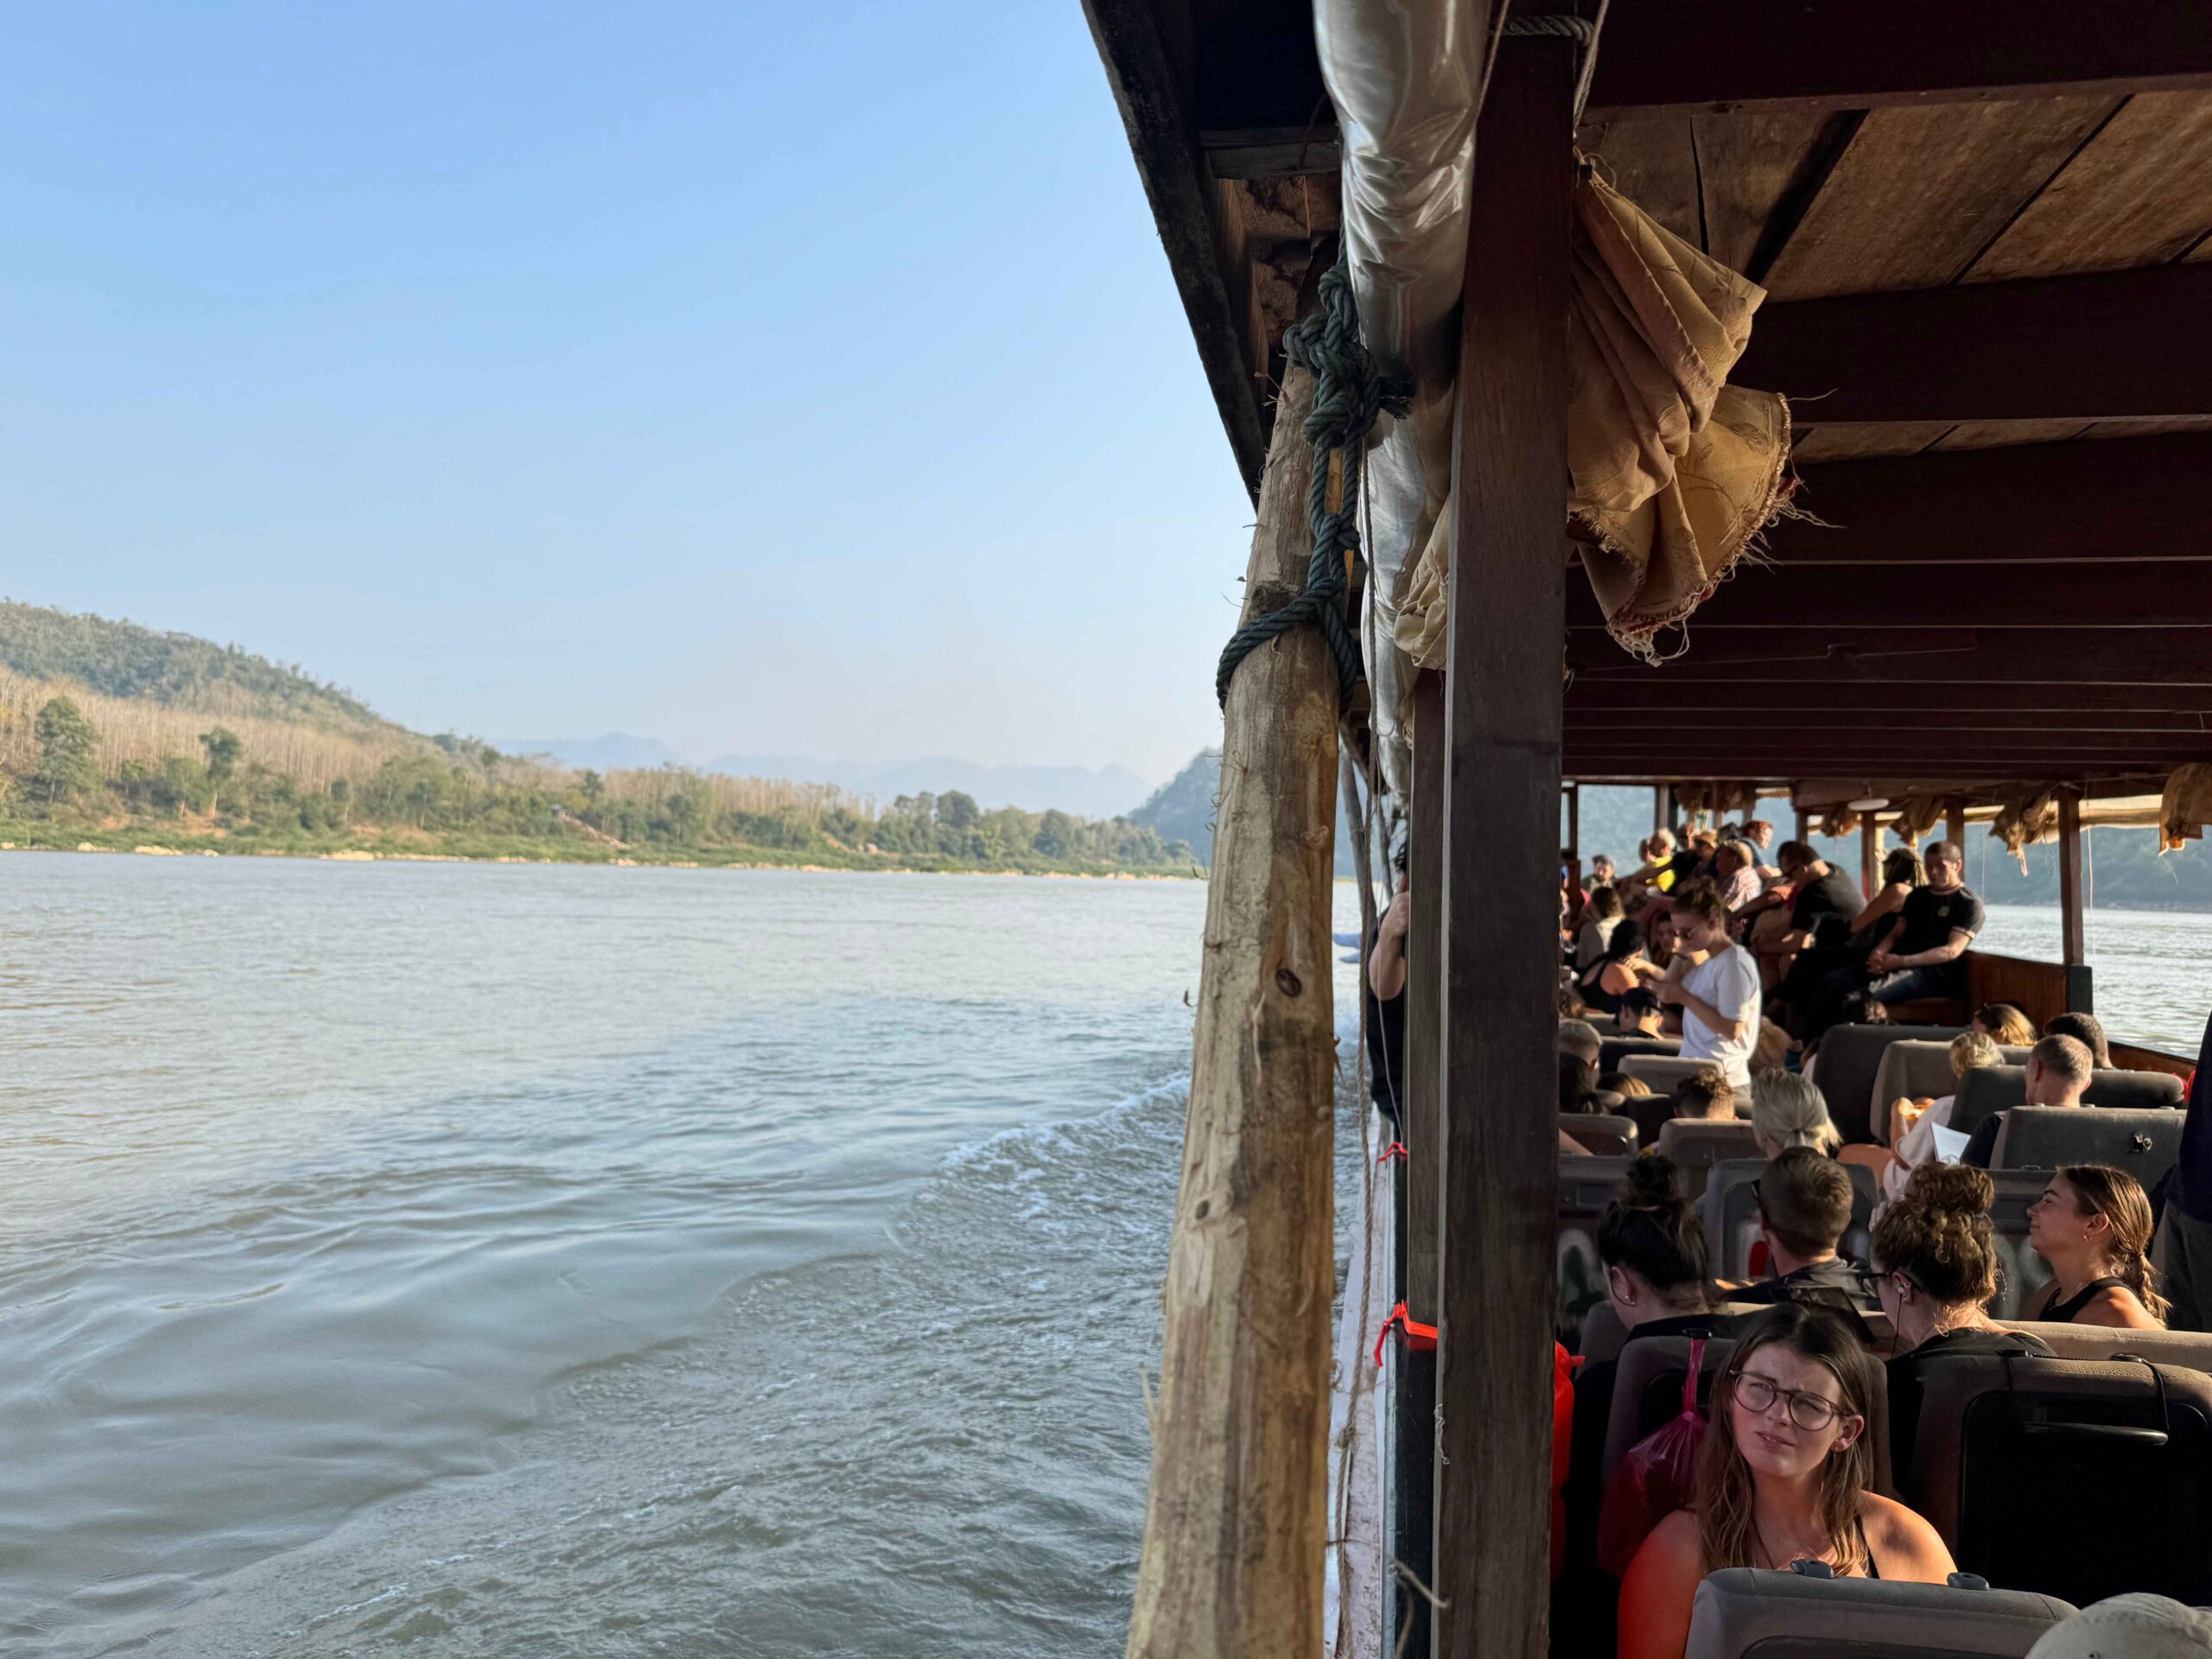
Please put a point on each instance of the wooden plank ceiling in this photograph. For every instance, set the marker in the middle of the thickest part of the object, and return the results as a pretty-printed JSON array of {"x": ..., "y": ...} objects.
[{"x": 1962, "y": 296}]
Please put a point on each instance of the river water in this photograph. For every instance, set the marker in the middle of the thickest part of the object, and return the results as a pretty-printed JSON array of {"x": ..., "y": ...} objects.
[{"x": 538, "y": 1261}]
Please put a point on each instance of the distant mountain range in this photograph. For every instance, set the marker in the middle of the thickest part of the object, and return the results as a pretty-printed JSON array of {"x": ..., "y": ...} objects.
[{"x": 610, "y": 752}]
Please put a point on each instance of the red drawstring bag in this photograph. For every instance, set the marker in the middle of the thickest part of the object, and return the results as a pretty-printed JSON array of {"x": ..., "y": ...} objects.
[
  {"x": 1563, "y": 1365},
  {"x": 1658, "y": 1476}
]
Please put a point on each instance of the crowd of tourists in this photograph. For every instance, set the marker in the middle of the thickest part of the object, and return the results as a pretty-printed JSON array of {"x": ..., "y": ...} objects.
[{"x": 1732, "y": 958}]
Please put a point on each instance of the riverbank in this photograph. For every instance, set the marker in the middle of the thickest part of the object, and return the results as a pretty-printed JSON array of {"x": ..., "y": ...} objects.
[{"x": 419, "y": 848}]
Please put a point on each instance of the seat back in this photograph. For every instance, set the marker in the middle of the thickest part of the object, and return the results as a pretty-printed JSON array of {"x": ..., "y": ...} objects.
[
  {"x": 2189, "y": 1348},
  {"x": 1744, "y": 1613},
  {"x": 2020, "y": 1271},
  {"x": 1917, "y": 1071},
  {"x": 1999, "y": 1088},
  {"x": 2144, "y": 1143},
  {"x": 1663, "y": 1071},
  {"x": 1600, "y": 1132},
  {"x": 1849, "y": 1057},
  {"x": 2080, "y": 1478},
  {"x": 1585, "y": 1187},
  {"x": 1614, "y": 1050},
  {"x": 1697, "y": 1143},
  {"x": 1729, "y": 1211}
]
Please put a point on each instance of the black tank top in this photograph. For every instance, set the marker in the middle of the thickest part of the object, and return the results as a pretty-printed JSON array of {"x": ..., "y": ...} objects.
[{"x": 2063, "y": 1313}]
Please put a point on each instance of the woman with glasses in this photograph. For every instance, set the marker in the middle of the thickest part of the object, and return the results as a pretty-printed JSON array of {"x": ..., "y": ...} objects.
[
  {"x": 1935, "y": 1269},
  {"x": 1785, "y": 1475}
]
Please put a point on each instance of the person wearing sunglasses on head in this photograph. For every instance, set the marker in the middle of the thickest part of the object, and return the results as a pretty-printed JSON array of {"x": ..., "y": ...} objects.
[{"x": 1784, "y": 1474}]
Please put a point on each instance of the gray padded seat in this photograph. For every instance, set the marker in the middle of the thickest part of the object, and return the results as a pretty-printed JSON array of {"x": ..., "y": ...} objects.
[
  {"x": 2020, "y": 1271},
  {"x": 1663, "y": 1071},
  {"x": 1585, "y": 1187},
  {"x": 1600, "y": 1132},
  {"x": 1696, "y": 1144},
  {"x": 1743, "y": 1613},
  {"x": 2081, "y": 1478},
  {"x": 1603, "y": 1024},
  {"x": 1614, "y": 1050},
  {"x": 2143, "y": 1143},
  {"x": 1730, "y": 1211},
  {"x": 2189, "y": 1348},
  {"x": 1602, "y": 1333},
  {"x": 1917, "y": 1071},
  {"x": 1648, "y": 1391},
  {"x": 1849, "y": 1058},
  {"x": 1995, "y": 1088}
]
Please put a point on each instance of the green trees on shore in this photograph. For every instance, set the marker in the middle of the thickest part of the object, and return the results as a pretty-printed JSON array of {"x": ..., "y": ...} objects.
[{"x": 455, "y": 790}]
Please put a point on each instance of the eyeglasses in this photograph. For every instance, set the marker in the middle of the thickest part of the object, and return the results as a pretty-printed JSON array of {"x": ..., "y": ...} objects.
[{"x": 1756, "y": 1395}]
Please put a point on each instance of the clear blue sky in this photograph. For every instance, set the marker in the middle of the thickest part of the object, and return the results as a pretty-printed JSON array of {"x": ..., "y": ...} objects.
[{"x": 799, "y": 378}]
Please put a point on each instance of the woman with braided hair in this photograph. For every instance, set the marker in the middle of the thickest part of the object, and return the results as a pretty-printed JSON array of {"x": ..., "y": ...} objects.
[{"x": 2093, "y": 1225}]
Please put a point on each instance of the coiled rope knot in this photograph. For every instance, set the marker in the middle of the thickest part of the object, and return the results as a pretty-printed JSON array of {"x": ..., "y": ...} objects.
[{"x": 1348, "y": 394}]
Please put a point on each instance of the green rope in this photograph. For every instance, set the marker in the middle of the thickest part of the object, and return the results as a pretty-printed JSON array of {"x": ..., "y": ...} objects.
[{"x": 1348, "y": 394}]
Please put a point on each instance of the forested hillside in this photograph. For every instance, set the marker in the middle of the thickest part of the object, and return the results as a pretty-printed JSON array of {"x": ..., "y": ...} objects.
[
  {"x": 1182, "y": 809},
  {"x": 134, "y": 739},
  {"x": 175, "y": 671}
]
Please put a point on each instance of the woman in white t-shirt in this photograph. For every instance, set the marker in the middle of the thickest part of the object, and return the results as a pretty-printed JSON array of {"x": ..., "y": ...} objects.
[{"x": 1719, "y": 997}]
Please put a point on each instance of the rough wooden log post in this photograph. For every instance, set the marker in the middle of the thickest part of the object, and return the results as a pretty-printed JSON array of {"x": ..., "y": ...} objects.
[{"x": 1235, "y": 1527}]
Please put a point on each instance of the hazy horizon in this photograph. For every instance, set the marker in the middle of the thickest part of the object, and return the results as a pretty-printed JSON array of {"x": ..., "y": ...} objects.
[{"x": 791, "y": 383}]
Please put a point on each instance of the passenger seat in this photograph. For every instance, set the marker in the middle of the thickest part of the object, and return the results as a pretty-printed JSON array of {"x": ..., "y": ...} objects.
[
  {"x": 1743, "y": 1613},
  {"x": 1696, "y": 1144},
  {"x": 2143, "y": 1142},
  {"x": 2078, "y": 1478}
]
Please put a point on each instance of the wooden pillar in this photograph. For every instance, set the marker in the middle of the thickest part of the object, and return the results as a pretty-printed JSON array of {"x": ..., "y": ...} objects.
[
  {"x": 1574, "y": 823},
  {"x": 1870, "y": 863},
  {"x": 1954, "y": 822},
  {"x": 1413, "y": 1427},
  {"x": 1804, "y": 821},
  {"x": 2072, "y": 923},
  {"x": 1497, "y": 1279},
  {"x": 1659, "y": 806},
  {"x": 1236, "y": 1521}
]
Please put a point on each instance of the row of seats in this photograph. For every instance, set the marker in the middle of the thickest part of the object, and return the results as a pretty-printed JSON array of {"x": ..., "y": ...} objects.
[
  {"x": 1860, "y": 1073},
  {"x": 1744, "y": 1614}
]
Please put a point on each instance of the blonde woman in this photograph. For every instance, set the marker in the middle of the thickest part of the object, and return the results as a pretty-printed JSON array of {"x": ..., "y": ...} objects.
[
  {"x": 1787, "y": 1111},
  {"x": 1913, "y": 1124},
  {"x": 1785, "y": 1474}
]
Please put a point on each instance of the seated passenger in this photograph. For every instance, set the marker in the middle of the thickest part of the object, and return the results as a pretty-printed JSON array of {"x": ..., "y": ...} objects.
[
  {"x": 1705, "y": 1092},
  {"x": 1935, "y": 1269},
  {"x": 1599, "y": 916},
  {"x": 1785, "y": 1474},
  {"x": 1578, "y": 1086},
  {"x": 2085, "y": 1029},
  {"x": 1621, "y": 967},
  {"x": 1580, "y": 1037},
  {"x": 1804, "y": 1202},
  {"x": 1771, "y": 1053},
  {"x": 2006, "y": 1025},
  {"x": 1902, "y": 874},
  {"x": 1758, "y": 835},
  {"x": 2058, "y": 1070},
  {"x": 1736, "y": 876},
  {"x": 2093, "y": 1225},
  {"x": 1601, "y": 871},
  {"x": 1917, "y": 952},
  {"x": 1787, "y": 1111},
  {"x": 1639, "y": 1014},
  {"x": 1719, "y": 996},
  {"x": 1913, "y": 1140}
]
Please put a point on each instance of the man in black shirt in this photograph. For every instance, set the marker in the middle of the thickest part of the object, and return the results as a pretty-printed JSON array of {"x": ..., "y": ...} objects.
[
  {"x": 1804, "y": 1200},
  {"x": 1386, "y": 998},
  {"x": 1918, "y": 953},
  {"x": 1825, "y": 898}
]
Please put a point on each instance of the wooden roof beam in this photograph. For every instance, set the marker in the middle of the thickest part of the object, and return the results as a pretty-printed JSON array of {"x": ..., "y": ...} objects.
[
  {"x": 1923, "y": 657},
  {"x": 1758, "y": 717},
  {"x": 1657, "y": 693},
  {"x": 2166, "y": 596},
  {"x": 2119, "y": 346},
  {"x": 2125, "y": 499},
  {"x": 1700, "y": 55}
]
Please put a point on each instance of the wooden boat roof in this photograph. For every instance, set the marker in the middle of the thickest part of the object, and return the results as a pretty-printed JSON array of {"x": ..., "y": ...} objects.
[{"x": 1985, "y": 231}]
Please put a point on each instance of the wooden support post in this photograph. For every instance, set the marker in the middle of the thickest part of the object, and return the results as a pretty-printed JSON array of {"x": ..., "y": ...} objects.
[
  {"x": 1414, "y": 1483},
  {"x": 1954, "y": 822},
  {"x": 1234, "y": 1525},
  {"x": 1870, "y": 863},
  {"x": 2072, "y": 931},
  {"x": 1574, "y": 823},
  {"x": 1804, "y": 821},
  {"x": 1659, "y": 806},
  {"x": 1497, "y": 1277}
]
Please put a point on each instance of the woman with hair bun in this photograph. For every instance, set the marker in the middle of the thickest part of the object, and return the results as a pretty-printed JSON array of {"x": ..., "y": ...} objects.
[
  {"x": 2093, "y": 1225},
  {"x": 1787, "y": 1110},
  {"x": 1935, "y": 1269}
]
